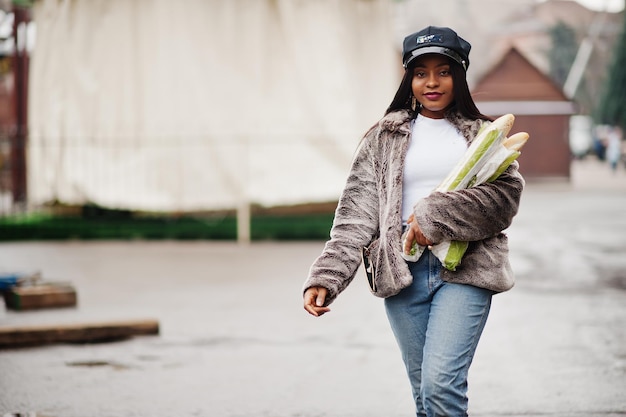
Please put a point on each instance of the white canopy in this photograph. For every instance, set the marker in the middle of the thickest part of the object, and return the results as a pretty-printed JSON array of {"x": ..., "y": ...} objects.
[{"x": 202, "y": 104}]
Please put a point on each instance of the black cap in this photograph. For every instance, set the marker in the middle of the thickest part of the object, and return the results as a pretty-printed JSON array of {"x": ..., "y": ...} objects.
[{"x": 436, "y": 40}]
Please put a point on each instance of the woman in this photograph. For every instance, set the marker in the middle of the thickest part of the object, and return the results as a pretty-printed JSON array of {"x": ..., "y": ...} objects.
[{"x": 437, "y": 315}]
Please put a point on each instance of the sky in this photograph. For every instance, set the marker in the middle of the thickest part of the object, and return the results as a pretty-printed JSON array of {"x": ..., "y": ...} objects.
[{"x": 600, "y": 5}]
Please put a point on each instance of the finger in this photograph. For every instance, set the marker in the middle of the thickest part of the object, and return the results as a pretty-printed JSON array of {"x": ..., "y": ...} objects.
[
  {"x": 321, "y": 297},
  {"x": 322, "y": 310},
  {"x": 316, "y": 311},
  {"x": 408, "y": 241},
  {"x": 309, "y": 298},
  {"x": 311, "y": 310},
  {"x": 421, "y": 239}
]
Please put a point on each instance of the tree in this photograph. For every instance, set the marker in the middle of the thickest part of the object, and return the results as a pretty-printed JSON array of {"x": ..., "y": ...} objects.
[
  {"x": 611, "y": 109},
  {"x": 563, "y": 51}
]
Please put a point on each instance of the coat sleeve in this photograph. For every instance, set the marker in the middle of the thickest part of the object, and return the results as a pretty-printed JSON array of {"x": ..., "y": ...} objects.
[
  {"x": 471, "y": 214},
  {"x": 354, "y": 225}
]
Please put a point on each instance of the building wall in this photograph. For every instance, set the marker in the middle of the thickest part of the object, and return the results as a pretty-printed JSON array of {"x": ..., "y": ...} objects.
[
  {"x": 546, "y": 155},
  {"x": 516, "y": 86}
]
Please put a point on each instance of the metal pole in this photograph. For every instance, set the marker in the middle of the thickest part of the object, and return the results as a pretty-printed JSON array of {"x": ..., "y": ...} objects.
[
  {"x": 582, "y": 56},
  {"x": 243, "y": 222},
  {"x": 19, "y": 134},
  {"x": 243, "y": 207}
]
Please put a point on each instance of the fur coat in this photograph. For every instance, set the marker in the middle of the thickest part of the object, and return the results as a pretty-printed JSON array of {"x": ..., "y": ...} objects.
[{"x": 369, "y": 215}]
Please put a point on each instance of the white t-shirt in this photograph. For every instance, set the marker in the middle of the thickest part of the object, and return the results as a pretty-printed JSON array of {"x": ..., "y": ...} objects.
[{"x": 436, "y": 147}]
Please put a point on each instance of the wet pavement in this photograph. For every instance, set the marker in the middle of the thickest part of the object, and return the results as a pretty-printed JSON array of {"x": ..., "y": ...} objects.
[{"x": 235, "y": 341}]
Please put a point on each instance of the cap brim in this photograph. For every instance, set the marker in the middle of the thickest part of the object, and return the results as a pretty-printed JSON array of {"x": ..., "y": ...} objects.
[{"x": 436, "y": 50}]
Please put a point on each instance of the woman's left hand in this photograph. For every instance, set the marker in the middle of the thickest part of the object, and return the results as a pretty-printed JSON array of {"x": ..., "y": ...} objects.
[{"x": 414, "y": 234}]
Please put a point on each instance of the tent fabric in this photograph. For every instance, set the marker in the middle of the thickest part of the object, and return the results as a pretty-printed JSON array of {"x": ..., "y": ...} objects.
[{"x": 203, "y": 104}]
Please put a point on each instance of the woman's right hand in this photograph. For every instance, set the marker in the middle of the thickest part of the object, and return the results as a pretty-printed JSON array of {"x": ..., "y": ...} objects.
[
  {"x": 414, "y": 234},
  {"x": 314, "y": 299}
]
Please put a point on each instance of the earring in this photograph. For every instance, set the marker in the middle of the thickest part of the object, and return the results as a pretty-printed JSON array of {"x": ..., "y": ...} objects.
[{"x": 413, "y": 103}]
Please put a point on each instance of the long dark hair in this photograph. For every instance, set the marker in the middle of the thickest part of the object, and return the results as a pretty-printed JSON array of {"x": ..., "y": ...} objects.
[{"x": 463, "y": 101}]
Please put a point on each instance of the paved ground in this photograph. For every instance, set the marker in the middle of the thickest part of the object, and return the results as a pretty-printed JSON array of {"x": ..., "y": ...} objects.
[{"x": 235, "y": 341}]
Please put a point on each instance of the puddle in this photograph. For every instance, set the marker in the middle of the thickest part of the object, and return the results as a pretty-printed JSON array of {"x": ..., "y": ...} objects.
[
  {"x": 29, "y": 414},
  {"x": 613, "y": 277},
  {"x": 95, "y": 364},
  {"x": 617, "y": 282}
]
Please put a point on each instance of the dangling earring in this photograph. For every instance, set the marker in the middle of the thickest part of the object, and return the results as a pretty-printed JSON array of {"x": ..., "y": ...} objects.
[{"x": 413, "y": 103}]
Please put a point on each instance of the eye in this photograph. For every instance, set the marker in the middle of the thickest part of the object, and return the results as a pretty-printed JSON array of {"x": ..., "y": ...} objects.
[
  {"x": 444, "y": 72},
  {"x": 419, "y": 73}
]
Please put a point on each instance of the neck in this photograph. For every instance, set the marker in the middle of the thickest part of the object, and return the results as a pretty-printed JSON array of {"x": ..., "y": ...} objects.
[{"x": 433, "y": 114}]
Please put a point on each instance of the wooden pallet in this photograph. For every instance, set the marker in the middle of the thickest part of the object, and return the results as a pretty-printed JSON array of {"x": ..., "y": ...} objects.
[
  {"x": 19, "y": 336},
  {"x": 45, "y": 295}
]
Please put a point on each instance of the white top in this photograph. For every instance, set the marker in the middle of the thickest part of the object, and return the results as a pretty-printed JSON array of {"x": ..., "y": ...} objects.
[{"x": 436, "y": 147}]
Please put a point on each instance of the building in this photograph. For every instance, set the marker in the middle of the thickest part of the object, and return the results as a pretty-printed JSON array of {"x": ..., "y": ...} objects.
[{"x": 515, "y": 85}]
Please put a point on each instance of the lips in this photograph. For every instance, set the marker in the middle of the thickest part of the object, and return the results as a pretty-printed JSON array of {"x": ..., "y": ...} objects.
[{"x": 433, "y": 96}]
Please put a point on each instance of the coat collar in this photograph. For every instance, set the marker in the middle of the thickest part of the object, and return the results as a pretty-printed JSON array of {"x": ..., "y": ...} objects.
[{"x": 400, "y": 121}]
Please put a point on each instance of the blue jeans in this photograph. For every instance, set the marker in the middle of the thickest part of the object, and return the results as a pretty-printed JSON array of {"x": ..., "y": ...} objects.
[{"x": 437, "y": 326}]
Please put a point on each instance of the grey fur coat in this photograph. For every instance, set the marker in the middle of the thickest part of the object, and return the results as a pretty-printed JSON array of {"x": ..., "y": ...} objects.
[{"x": 369, "y": 215}]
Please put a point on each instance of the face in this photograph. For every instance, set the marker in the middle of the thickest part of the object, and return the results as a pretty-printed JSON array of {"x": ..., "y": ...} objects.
[{"x": 432, "y": 85}]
